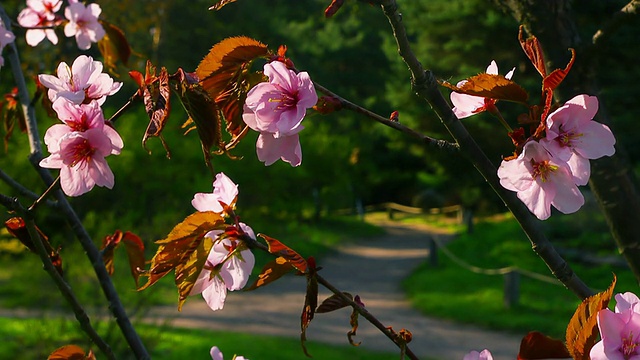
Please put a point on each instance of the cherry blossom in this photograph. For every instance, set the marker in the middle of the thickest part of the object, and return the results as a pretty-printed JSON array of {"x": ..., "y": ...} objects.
[
  {"x": 620, "y": 332},
  {"x": 276, "y": 109},
  {"x": 466, "y": 105},
  {"x": 224, "y": 191},
  {"x": 39, "y": 13},
  {"x": 6, "y": 38},
  {"x": 573, "y": 136},
  {"x": 474, "y": 355},
  {"x": 627, "y": 301},
  {"x": 79, "y": 147},
  {"x": 83, "y": 24},
  {"x": 81, "y": 83},
  {"x": 216, "y": 354},
  {"x": 540, "y": 181},
  {"x": 228, "y": 267}
]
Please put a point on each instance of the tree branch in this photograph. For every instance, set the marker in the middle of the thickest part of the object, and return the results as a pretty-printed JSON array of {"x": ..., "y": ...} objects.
[
  {"x": 346, "y": 104},
  {"x": 115, "y": 305},
  {"x": 63, "y": 286},
  {"x": 23, "y": 190},
  {"x": 425, "y": 85},
  {"x": 616, "y": 20}
]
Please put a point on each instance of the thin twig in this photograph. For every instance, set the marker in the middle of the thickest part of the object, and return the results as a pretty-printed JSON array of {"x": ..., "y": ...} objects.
[
  {"x": 63, "y": 286},
  {"x": 346, "y": 104},
  {"x": 23, "y": 190},
  {"x": 426, "y": 86},
  {"x": 44, "y": 195},
  {"x": 124, "y": 107}
]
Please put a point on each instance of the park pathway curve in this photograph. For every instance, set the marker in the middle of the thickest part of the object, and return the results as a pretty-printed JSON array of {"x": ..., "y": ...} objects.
[{"x": 372, "y": 268}]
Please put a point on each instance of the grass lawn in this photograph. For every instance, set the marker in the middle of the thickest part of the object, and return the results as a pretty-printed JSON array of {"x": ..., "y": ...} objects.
[
  {"x": 37, "y": 338},
  {"x": 449, "y": 291}
]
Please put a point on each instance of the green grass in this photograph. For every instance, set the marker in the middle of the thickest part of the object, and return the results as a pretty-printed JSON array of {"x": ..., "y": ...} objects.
[
  {"x": 37, "y": 338},
  {"x": 449, "y": 291}
]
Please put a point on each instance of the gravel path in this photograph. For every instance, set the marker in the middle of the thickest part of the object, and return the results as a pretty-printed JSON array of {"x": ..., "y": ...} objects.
[{"x": 373, "y": 269}]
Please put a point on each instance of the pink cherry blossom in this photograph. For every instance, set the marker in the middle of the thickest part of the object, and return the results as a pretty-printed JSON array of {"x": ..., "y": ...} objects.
[
  {"x": 620, "y": 333},
  {"x": 287, "y": 148},
  {"x": 6, "y": 38},
  {"x": 224, "y": 190},
  {"x": 39, "y": 13},
  {"x": 474, "y": 355},
  {"x": 83, "y": 24},
  {"x": 541, "y": 181},
  {"x": 466, "y": 105},
  {"x": 627, "y": 301},
  {"x": 216, "y": 354},
  {"x": 573, "y": 136},
  {"x": 79, "y": 118},
  {"x": 228, "y": 267},
  {"x": 276, "y": 109},
  {"x": 79, "y": 147},
  {"x": 81, "y": 83}
]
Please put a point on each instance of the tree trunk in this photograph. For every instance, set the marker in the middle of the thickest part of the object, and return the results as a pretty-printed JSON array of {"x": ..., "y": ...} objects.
[{"x": 552, "y": 22}]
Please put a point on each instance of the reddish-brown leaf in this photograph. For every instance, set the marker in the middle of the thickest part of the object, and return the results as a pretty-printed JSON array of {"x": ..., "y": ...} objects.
[
  {"x": 353, "y": 321},
  {"x": 491, "y": 86},
  {"x": 555, "y": 78},
  {"x": 582, "y": 331},
  {"x": 279, "y": 249},
  {"x": 177, "y": 248},
  {"x": 271, "y": 272},
  {"x": 17, "y": 227},
  {"x": 113, "y": 46},
  {"x": 533, "y": 50},
  {"x": 135, "y": 252},
  {"x": 333, "y": 302},
  {"x": 333, "y": 8},
  {"x": 157, "y": 103},
  {"x": 310, "y": 304},
  {"x": 229, "y": 55},
  {"x": 218, "y": 5},
  {"x": 71, "y": 352},
  {"x": 536, "y": 346},
  {"x": 188, "y": 271},
  {"x": 12, "y": 114}
]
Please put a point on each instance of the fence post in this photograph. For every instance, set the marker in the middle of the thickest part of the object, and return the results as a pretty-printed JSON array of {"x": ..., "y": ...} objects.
[
  {"x": 511, "y": 288},
  {"x": 390, "y": 212},
  {"x": 433, "y": 251}
]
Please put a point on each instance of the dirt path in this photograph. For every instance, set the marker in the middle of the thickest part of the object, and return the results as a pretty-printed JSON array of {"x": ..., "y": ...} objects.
[{"x": 373, "y": 269}]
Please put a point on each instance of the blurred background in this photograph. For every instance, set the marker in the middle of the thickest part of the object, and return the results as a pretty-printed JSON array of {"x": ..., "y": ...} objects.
[{"x": 348, "y": 160}]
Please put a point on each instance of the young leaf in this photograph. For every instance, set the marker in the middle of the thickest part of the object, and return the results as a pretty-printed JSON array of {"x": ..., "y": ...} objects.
[
  {"x": 113, "y": 46},
  {"x": 537, "y": 346},
  {"x": 135, "y": 252},
  {"x": 280, "y": 249},
  {"x": 177, "y": 248},
  {"x": 218, "y": 5},
  {"x": 555, "y": 78},
  {"x": 187, "y": 272},
  {"x": 310, "y": 304},
  {"x": 228, "y": 56},
  {"x": 11, "y": 115},
  {"x": 71, "y": 352},
  {"x": 491, "y": 86},
  {"x": 353, "y": 321},
  {"x": 334, "y": 302},
  {"x": 157, "y": 103},
  {"x": 582, "y": 331},
  {"x": 271, "y": 272},
  {"x": 17, "y": 228},
  {"x": 202, "y": 111},
  {"x": 533, "y": 50}
]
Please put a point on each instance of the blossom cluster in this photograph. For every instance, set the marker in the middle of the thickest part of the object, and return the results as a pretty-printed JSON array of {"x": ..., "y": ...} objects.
[
  {"x": 39, "y": 18},
  {"x": 78, "y": 147},
  {"x": 549, "y": 170},
  {"x": 229, "y": 263},
  {"x": 275, "y": 109}
]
